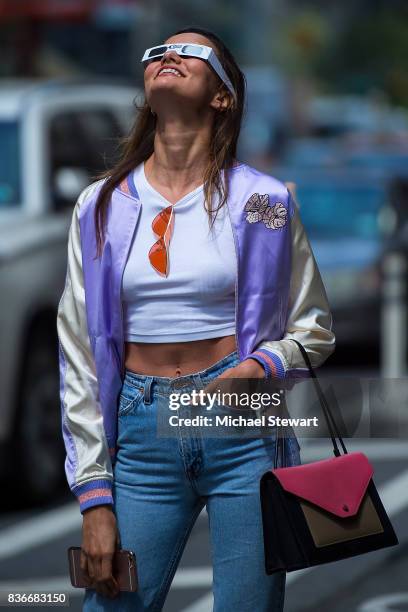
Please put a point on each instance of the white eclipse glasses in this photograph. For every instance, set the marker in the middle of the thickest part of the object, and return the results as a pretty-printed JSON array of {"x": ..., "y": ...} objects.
[{"x": 190, "y": 50}]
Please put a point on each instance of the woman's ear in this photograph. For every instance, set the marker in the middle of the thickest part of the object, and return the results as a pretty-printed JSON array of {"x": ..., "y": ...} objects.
[{"x": 222, "y": 100}]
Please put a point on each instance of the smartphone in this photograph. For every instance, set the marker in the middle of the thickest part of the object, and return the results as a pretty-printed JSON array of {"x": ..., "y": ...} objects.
[{"x": 123, "y": 569}]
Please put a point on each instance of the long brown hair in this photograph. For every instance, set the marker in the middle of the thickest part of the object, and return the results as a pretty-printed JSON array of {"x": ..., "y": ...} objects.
[{"x": 138, "y": 146}]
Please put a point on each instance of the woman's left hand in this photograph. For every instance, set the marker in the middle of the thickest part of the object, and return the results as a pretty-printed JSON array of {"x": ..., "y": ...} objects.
[{"x": 249, "y": 368}]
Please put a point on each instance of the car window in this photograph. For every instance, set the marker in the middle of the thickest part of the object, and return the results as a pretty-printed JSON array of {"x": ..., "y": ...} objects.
[
  {"x": 85, "y": 140},
  {"x": 330, "y": 211},
  {"x": 10, "y": 166},
  {"x": 67, "y": 142},
  {"x": 101, "y": 131}
]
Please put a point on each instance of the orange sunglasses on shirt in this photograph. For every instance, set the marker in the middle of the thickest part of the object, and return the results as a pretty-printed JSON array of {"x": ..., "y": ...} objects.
[{"x": 162, "y": 226}]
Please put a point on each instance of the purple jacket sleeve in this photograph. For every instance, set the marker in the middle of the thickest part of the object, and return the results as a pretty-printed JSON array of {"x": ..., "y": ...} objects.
[{"x": 87, "y": 465}]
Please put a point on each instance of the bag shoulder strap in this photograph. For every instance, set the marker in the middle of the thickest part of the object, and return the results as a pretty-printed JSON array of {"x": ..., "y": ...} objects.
[{"x": 330, "y": 420}]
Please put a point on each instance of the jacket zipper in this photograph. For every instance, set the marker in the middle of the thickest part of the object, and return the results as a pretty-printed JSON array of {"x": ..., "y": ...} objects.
[{"x": 236, "y": 280}]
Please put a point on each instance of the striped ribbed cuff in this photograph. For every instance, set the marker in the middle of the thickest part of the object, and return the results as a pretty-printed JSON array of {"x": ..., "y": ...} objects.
[
  {"x": 272, "y": 364},
  {"x": 94, "y": 493}
]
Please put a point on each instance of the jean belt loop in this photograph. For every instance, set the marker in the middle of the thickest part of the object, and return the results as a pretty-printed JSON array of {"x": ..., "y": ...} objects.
[
  {"x": 198, "y": 381},
  {"x": 147, "y": 396}
]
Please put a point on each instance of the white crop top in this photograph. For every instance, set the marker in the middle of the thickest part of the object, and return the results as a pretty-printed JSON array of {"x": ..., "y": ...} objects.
[{"x": 197, "y": 298}]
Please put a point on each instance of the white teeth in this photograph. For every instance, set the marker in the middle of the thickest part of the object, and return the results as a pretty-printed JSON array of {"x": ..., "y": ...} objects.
[{"x": 172, "y": 70}]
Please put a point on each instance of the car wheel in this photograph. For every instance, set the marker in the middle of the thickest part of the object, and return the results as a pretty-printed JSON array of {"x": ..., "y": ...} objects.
[{"x": 39, "y": 446}]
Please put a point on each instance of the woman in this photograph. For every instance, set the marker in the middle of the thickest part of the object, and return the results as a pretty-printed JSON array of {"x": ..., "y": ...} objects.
[{"x": 166, "y": 305}]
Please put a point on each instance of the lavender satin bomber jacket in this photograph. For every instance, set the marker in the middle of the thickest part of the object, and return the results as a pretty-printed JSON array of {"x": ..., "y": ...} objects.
[{"x": 279, "y": 295}]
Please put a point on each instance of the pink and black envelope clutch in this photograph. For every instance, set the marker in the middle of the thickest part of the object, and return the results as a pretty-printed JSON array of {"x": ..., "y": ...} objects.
[{"x": 323, "y": 511}]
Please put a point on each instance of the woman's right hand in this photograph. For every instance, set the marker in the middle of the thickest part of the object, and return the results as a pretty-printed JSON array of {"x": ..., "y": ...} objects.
[{"x": 100, "y": 539}]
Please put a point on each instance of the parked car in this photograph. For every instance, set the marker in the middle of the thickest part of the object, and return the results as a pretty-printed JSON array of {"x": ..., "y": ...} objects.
[
  {"x": 54, "y": 137},
  {"x": 334, "y": 115},
  {"x": 347, "y": 217}
]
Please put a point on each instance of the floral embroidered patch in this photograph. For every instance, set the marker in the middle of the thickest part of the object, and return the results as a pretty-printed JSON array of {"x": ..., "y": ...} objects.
[{"x": 258, "y": 209}]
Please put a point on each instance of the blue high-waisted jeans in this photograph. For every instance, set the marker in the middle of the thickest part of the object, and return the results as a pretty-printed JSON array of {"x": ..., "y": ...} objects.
[{"x": 161, "y": 484}]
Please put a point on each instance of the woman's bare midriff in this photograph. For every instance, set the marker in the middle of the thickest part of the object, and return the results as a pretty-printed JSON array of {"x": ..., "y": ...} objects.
[{"x": 173, "y": 359}]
